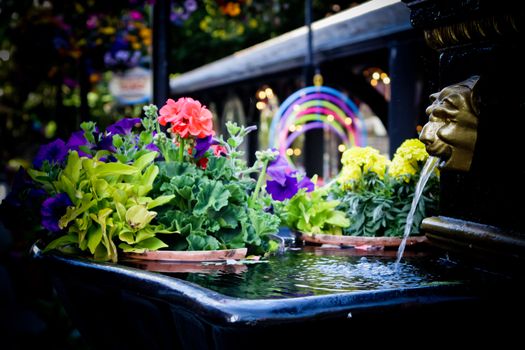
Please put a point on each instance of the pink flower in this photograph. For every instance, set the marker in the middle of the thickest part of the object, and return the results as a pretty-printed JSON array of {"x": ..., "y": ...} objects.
[
  {"x": 169, "y": 112},
  {"x": 187, "y": 117},
  {"x": 219, "y": 150}
]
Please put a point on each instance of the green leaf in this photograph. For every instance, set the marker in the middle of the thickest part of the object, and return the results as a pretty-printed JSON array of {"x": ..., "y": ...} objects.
[
  {"x": 212, "y": 195},
  {"x": 145, "y": 160},
  {"x": 138, "y": 217},
  {"x": 197, "y": 242},
  {"x": 111, "y": 169},
  {"x": 73, "y": 212},
  {"x": 126, "y": 235},
  {"x": 101, "y": 188},
  {"x": 338, "y": 218},
  {"x": 94, "y": 239},
  {"x": 61, "y": 241},
  {"x": 161, "y": 200},
  {"x": 152, "y": 243}
]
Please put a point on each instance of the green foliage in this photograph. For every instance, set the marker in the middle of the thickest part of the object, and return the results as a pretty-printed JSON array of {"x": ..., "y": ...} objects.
[
  {"x": 109, "y": 205},
  {"x": 211, "y": 208},
  {"x": 313, "y": 213},
  {"x": 379, "y": 207}
]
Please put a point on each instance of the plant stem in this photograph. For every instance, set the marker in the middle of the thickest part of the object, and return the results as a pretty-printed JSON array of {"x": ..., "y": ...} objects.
[
  {"x": 260, "y": 180},
  {"x": 181, "y": 149}
]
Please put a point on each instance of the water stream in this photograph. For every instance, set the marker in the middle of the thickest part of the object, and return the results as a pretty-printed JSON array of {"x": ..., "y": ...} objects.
[{"x": 429, "y": 167}]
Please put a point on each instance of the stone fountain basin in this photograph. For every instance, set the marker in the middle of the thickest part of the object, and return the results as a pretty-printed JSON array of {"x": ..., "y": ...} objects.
[{"x": 121, "y": 307}]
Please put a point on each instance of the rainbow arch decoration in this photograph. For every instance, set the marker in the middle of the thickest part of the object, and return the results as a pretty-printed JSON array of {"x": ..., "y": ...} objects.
[{"x": 315, "y": 107}]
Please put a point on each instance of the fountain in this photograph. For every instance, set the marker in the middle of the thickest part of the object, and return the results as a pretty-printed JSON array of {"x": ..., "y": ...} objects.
[
  {"x": 337, "y": 296},
  {"x": 475, "y": 126}
]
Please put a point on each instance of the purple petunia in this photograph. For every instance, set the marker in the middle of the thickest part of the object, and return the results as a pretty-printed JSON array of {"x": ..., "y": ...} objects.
[
  {"x": 53, "y": 152},
  {"x": 152, "y": 147},
  {"x": 288, "y": 189},
  {"x": 280, "y": 192},
  {"x": 278, "y": 169},
  {"x": 77, "y": 140},
  {"x": 123, "y": 126},
  {"x": 203, "y": 145},
  {"x": 306, "y": 183},
  {"x": 53, "y": 209}
]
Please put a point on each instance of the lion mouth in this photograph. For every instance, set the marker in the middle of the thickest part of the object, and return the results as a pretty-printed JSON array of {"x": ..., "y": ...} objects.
[{"x": 442, "y": 151}]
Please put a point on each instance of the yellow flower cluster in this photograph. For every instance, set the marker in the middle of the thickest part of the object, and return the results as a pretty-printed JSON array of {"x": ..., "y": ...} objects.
[
  {"x": 359, "y": 160},
  {"x": 407, "y": 159}
]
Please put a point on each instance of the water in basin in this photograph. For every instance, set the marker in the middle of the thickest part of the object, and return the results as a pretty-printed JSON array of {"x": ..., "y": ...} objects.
[{"x": 317, "y": 271}]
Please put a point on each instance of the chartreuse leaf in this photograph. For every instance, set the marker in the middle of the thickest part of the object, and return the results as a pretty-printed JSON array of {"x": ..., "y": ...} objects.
[
  {"x": 138, "y": 217},
  {"x": 338, "y": 218},
  {"x": 61, "y": 241},
  {"x": 73, "y": 212},
  {"x": 152, "y": 243},
  {"x": 66, "y": 185},
  {"x": 95, "y": 238},
  {"x": 148, "y": 244},
  {"x": 101, "y": 188},
  {"x": 111, "y": 169},
  {"x": 126, "y": 235},
  {"x": 312, "y": 213},
  {"x": 149, "y": 176},
  {"x": 144, "y": 160},
  {"x": 73, "y": 167},
  {"x": 161, "y": 200}
]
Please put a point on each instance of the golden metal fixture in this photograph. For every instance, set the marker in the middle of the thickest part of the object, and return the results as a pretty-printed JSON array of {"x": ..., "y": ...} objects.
[{"x": 451, "y": 131}]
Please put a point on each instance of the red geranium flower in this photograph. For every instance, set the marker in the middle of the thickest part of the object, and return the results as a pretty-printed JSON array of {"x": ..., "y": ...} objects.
[{"x": 187, "y": 117}]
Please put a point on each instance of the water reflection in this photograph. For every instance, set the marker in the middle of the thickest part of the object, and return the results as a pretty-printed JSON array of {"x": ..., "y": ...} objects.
[{"x": 316, "y": 271}]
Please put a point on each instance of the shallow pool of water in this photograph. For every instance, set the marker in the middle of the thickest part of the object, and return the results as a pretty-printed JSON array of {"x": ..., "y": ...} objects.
[{"x": 316, "y": 271}]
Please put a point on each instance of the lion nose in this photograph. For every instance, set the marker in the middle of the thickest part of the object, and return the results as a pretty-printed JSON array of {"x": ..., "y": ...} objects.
[{"x": 427, "y": 135}]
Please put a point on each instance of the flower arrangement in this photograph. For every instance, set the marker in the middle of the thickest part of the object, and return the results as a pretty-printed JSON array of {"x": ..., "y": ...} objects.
[
  {"x": 134, "y": 187},
  {"x": 376, "y": 194}
]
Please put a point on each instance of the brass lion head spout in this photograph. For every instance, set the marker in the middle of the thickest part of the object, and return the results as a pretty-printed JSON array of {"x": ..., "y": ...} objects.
[{"x": 451, "y": 131}]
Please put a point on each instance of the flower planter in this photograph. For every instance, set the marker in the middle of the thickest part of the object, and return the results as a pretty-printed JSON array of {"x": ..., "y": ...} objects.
[
  {"x": 359, "y": 241},
  {"x": 164, "y": 311},
  {"x": 196, "y": 255}
]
